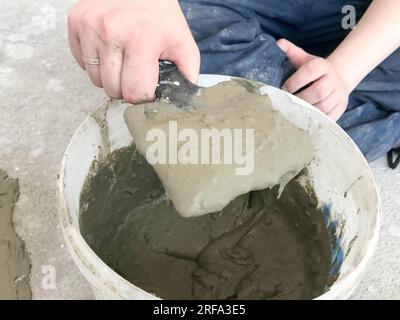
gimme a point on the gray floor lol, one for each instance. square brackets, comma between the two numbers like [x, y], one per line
[43, 98]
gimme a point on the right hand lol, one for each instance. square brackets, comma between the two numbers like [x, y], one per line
[130, 37]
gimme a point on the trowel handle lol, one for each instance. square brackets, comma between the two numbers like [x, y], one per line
[173, 86]
[167, 67]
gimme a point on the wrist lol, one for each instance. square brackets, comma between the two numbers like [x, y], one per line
[346, 73]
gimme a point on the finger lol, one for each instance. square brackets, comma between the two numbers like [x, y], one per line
[139, 74]
[304, 76]
[335, 113]
[317, 92]
[186, 56]
[338, 111]
[328, 104]
[296, 55]
[111, 61]
[75, 45]
[90, 51]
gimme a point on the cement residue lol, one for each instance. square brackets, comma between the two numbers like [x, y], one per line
[280, 150]
[100, 116]
[258, 247]
[15, 264]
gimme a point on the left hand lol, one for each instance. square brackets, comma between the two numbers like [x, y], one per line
[316, 81]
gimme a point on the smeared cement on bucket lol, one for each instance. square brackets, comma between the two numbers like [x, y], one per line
[258, 247]
[15, 263]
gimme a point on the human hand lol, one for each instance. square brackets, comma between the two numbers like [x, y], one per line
[129, 37]
[316, 81]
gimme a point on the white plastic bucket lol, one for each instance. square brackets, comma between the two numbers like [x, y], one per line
[339, 172]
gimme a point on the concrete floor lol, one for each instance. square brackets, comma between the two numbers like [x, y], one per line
[44, 96]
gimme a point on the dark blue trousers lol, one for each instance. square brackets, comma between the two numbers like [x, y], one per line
[238, 38]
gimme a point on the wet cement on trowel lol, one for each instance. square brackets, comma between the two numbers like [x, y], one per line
[279, 152]
[257, 247]
[14, 261]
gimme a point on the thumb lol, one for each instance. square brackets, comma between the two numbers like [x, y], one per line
[296, 55]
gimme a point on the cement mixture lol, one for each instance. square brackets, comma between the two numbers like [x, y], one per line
[255, 243]
[15, 264]
[279, 150]
[257, 247]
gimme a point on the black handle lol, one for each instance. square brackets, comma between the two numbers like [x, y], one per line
[173, 86]
[394, 158]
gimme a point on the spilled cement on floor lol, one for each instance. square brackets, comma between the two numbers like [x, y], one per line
[15, 265]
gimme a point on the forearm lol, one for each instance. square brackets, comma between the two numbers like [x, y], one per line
[375, 37]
